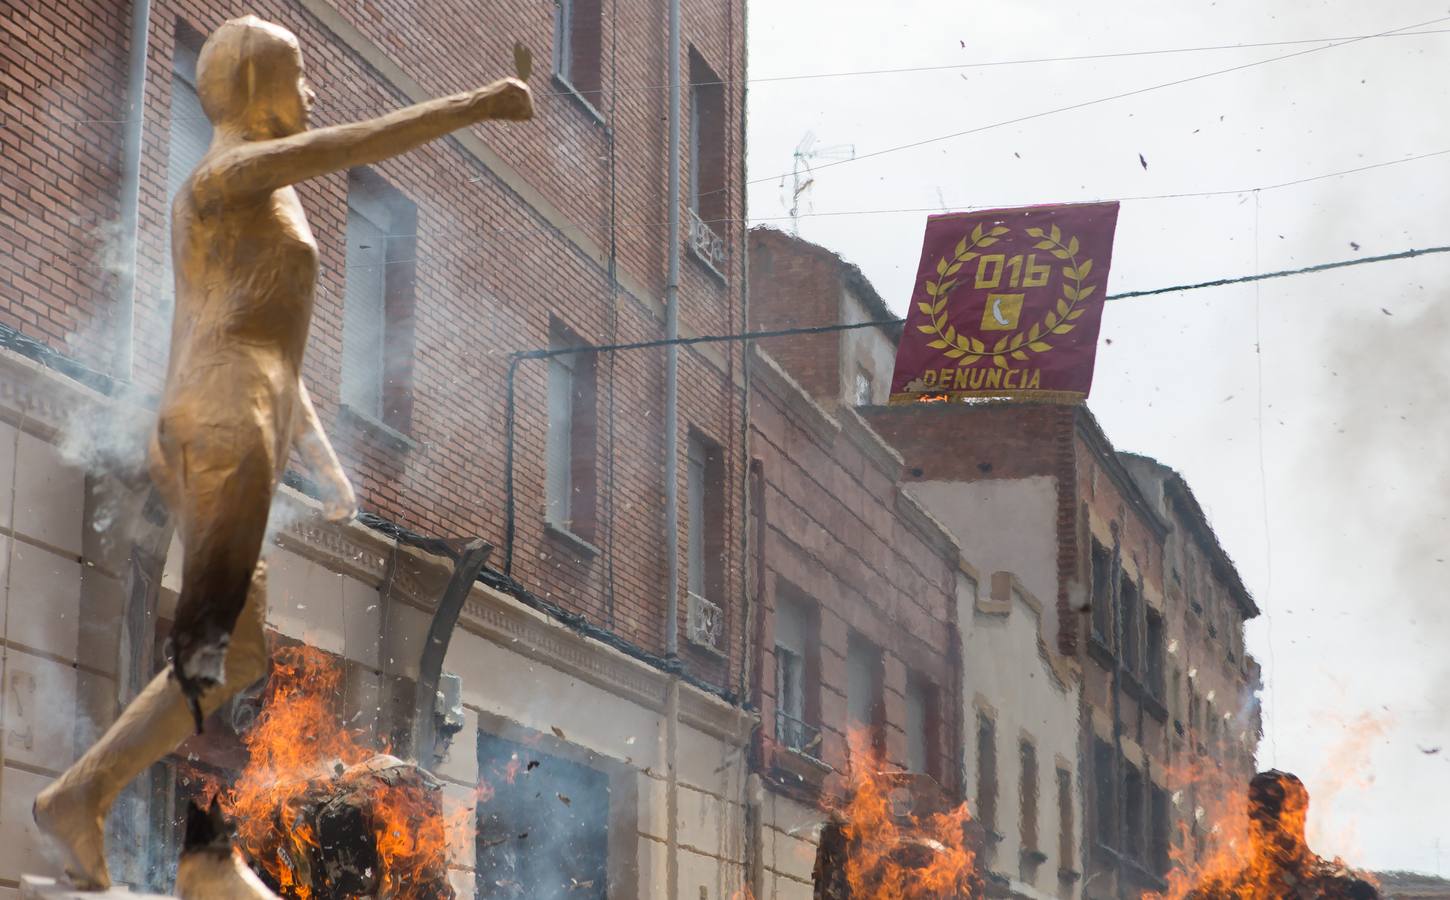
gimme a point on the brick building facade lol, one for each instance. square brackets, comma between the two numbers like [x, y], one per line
[1108, 536]
[856, 585]
[435, 267]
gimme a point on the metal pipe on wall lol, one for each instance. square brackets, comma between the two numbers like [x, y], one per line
[130, 211]
[672, 458]
[672, 352]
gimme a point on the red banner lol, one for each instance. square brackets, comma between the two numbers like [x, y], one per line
[1007, 304]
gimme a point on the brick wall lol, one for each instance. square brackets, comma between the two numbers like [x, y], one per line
[796, 284]
[837, 538]
[62, 96]
[498, 251]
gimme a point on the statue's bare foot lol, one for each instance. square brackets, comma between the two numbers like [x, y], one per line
[77, 827]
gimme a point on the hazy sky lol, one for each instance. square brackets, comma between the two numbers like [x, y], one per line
[1353, 433]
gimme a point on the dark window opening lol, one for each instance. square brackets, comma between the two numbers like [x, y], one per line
[923, 726]
[531, 841]
[1131, 625]
[378, 301]
[569, 489]
[706, 511]
[190, 131]
[1159, 855]
[987, 771]
[865, 698]
[1132, 811]
[797, 671]
[1105, 795]
[1065, 806]
[1155, 654]
[578, 48]
[1102, 600]
[709, 202]
[1027, 788]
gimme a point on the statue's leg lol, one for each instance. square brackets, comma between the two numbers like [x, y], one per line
[224, 516]
[72, 810]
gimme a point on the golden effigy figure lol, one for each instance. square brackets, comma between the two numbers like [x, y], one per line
[234, 404]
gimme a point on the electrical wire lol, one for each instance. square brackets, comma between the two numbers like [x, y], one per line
[902, 70]
[1099, 100]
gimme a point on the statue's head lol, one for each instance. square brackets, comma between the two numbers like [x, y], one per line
[1278, 807]
[249, 77]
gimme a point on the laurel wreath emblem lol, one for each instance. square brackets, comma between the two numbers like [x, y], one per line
[1016, 346]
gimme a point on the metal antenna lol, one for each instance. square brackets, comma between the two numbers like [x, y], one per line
[805, 153]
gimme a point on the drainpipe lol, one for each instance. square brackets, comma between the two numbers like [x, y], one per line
[672, 351]
[131, 189]
[672, 458]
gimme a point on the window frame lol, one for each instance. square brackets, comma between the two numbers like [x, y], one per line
[1030, 793]
[987, 771]
[387, 323]
[570, 451]
[705, 512]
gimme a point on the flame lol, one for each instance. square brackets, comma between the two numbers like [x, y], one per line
[1213, 844]
[1243, 852]
[900, 857]
[296, 745]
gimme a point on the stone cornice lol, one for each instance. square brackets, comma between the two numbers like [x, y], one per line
[810, 415]
[366, 554]
[873, 445]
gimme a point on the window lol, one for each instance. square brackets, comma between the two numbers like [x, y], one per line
[1105, 795]
[708, 199]
[567, 849]
[797, 657]
[986, 771]
[190, 128]
[1132, 811]
[577, 46]
[706, 490]
[1065, 806]
[862, 388]
[1158, 849]
[1027, 789]
[1102, 600]
[921, 725]
[1155, 653]
[569, 445]
[865, 706]
[377, 323]
[1175, 698]
[1132, 638]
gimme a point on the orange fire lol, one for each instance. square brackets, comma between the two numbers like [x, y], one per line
[296, 744]
[1248, 841]
[1213, 838]
[902, 843]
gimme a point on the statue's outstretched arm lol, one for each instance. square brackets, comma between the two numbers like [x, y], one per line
[261, 166]
[339, 503]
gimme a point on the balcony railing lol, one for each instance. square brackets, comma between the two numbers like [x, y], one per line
[798, 735]
[706, 244]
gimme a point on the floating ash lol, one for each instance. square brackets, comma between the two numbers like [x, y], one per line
[320, 816]
[1276, 862]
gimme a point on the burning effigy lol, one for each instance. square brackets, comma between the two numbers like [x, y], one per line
[318, 814]
[1277, 863]
[895, 839]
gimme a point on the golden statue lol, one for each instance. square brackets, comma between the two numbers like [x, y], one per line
[234, 403]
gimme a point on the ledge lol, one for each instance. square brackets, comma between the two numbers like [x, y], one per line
[1099, 652]
[388, 436]
[577, 544]
[34, 887]
[570, 91]
[706, 264]
[799, 764]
